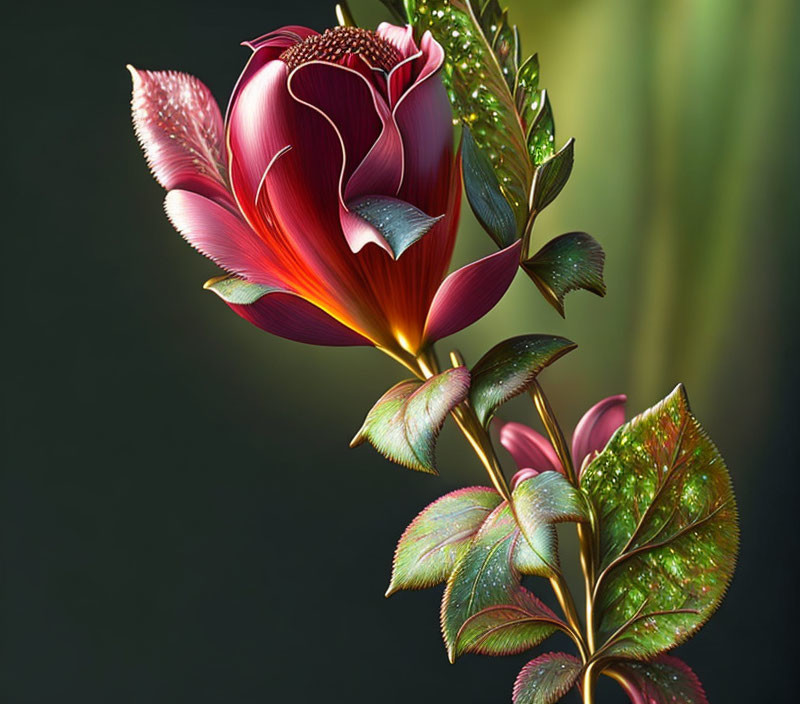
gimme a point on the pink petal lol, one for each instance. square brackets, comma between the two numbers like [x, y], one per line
[220, 235]
[288, 315]
[401, 38]
[596, 427]
[470, 292]
[522, 475]
[528, 448]
[179, 126]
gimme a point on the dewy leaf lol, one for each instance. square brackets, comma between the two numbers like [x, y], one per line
[232, 289]
[542, 135]
[484, 194]
[439, 537]
[568, 262]
[480, 92]
[545, 499]
[405, 422]
[665, 680]
[551, 177]
[510, 367]
[489, 573]
[400, 223]
[526, 91]
[504, 39]
[507, 629]
[668, 530]
[546, 679]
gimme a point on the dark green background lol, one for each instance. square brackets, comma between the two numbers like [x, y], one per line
[182, 520]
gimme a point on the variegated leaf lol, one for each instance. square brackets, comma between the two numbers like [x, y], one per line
[546, 679]
[665, 680]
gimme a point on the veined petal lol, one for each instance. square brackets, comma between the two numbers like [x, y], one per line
[288, 315]
[179, 125]
[470, 292]
[220, 235]
[596, 427]
[528, 448]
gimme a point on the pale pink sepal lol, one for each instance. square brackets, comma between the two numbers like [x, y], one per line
[471, 292]
[220, 235]
[522, 475]
[596, 427]
[529, 449]
[179, 126]
[289, 316]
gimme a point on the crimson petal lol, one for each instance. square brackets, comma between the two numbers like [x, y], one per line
[596, 427]
[470, 292]
[529, 449]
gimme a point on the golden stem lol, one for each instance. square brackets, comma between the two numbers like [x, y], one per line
[589, 678]
[344, 16]
[585, 533]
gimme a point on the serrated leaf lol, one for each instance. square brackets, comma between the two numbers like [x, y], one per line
[542, 134]
[665, 680]
[405, 422]
[507, 629]
[568, 262]
[480, 93]
[510, 367]
[400, 223]
[483, 193]
[489, 574]
[526, 91]
[668, 533]
[545, 499]
[551, 177]
[232, 289]
[546, 679]
[439, 537]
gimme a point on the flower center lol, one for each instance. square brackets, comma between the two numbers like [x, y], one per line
[333, 45]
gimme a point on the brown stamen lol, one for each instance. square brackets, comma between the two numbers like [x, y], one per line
[335, 44]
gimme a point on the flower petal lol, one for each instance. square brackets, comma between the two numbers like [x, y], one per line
[179, 125]
[288, 315]
[528, 448]
[470, 292]
[220, 235]
[596, 427]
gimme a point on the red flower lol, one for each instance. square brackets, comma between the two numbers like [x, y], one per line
[331, 191]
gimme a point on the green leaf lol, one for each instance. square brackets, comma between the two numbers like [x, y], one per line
[668, 533]
[546, 679]
[665, 680]
[503, 38]
[232, 289]
[552, 176]
[439, 537]
[400, 223]
[398, 10]
[480, 93]
[542, 135]
[507, 629]
[489, 573]
[526, 91]
[546, 499]
[484, 194]
[510, 367]
[405, 422]
[568, 262]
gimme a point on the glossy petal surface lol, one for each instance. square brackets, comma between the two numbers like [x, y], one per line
[596, 427]
[668, 530]
[530, 449]
[439, 537]
[405, 422]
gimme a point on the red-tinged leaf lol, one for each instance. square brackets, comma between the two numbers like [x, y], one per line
[439, 537]
[546, 679]
[405, 422]
[507, 629]
[667, 525]
[665, 680]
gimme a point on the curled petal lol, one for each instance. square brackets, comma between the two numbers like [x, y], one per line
[179, 125]
[522, 475]
[596, 427]
[470, 292]
[290, 316]
[529, 449]
[219, 234]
